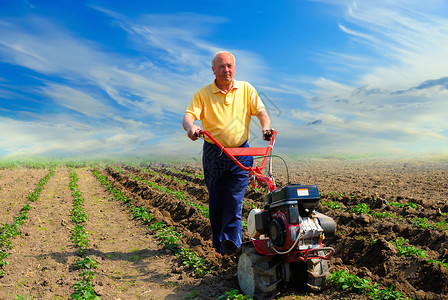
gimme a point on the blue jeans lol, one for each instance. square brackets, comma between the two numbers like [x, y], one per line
[226, 184]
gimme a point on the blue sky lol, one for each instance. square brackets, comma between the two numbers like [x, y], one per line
[113, 78]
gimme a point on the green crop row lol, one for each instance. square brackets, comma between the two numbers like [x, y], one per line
[234, 295]
[363, 208]
[181, 196]
[177, 180]
[178, 194]
[439, 263]
[54, 163]
[9, 231]
[84, 287]
[79, 234]
[410, 204]
[200, 176]
[169, 238]
[404, 249]
[333, 205]
[408, 250]
[155, 174]
[352, 283]
[423, 223]
[203, 209]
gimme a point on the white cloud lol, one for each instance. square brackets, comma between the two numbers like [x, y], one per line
[376, 93]
[413, 38]
[393, 97]
[143, 91]
[64, 136]
[76, 100]
[133, 83]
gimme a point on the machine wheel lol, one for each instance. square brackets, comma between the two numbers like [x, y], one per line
[257, 276]
[317, 273]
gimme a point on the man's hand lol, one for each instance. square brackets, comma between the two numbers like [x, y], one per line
[191, 129]
[193, 132]
[267, 134]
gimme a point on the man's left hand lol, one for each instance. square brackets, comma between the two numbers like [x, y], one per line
[267, 134]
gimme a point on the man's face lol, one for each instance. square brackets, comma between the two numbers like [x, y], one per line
[224, 68]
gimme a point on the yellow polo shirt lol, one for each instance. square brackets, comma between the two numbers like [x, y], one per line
[226, 116]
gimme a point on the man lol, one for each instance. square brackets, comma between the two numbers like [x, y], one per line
[225, 108]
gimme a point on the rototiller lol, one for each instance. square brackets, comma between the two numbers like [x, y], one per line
[286, 235]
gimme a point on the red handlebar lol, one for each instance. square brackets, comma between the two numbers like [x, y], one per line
[254, 173]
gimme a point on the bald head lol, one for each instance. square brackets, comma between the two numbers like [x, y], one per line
[220, 54]
[223, 66]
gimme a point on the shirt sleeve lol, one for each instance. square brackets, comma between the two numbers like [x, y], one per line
[195, 108]
[256, 105]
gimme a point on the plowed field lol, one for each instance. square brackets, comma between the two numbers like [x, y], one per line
[391, 218]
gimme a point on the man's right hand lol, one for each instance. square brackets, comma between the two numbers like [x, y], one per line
[190, 127]
[193, 132]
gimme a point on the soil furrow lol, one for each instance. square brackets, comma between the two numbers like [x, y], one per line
[196, 191]
[15, 186]
[163, 207]
[190, 174]
[40, 262]
[177, 210]
[131, 263]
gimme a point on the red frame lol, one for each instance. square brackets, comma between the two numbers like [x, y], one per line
[254, 173]
[297, 255]
[261, 245]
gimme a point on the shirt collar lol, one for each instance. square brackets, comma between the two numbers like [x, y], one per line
[215, 88]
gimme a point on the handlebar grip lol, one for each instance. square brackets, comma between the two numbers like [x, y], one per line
[267, 134]
[198, 133]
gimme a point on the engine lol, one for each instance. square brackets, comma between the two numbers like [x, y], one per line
[290, 220]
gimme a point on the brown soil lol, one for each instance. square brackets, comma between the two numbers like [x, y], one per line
[132, 264]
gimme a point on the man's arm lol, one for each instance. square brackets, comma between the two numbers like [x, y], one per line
[265, 122]
[190, 127]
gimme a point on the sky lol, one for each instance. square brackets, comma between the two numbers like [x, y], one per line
[108, 78]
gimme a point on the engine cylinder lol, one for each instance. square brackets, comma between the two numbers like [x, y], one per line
[277, 232]
[252, 223]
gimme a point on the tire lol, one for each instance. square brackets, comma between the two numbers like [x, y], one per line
[257, 276]
[317, 273]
